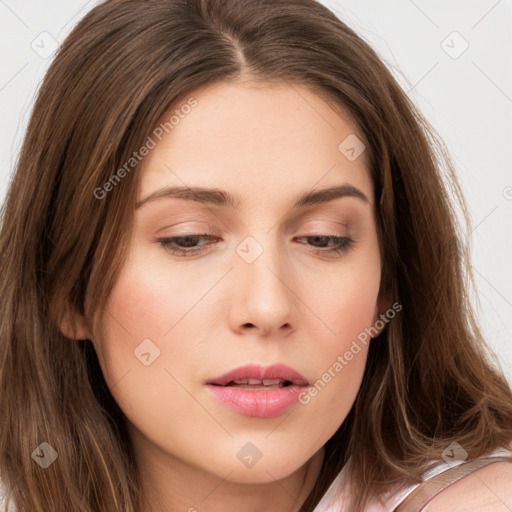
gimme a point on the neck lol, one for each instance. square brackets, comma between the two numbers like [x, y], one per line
[174, 486]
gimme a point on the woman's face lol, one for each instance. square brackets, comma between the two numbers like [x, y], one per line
[265, 287]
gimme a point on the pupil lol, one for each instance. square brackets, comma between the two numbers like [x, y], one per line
[187, 241]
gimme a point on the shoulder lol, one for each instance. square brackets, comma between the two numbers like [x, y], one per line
[489, 489]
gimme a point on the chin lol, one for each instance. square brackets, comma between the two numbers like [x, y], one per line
[262, 472]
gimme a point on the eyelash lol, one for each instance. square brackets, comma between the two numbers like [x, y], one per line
[343, 245]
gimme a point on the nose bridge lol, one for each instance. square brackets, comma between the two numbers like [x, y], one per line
[261, 264]
[262, 277]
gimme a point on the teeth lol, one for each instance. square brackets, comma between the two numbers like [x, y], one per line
[241, 381]
[265, 382]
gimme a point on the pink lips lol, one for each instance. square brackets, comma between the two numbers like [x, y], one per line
[259, 400]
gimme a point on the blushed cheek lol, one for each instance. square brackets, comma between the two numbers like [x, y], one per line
[350, 305]
[349, 310]
[153, 308]
[148, 303]
[343, 356]
[139, 313]
[142, 309]
[134, 312]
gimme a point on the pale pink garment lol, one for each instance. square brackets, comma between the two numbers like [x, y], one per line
[335, 499]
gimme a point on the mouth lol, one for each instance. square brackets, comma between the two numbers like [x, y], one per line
[261, 392]
[257, 383]
[255, 376]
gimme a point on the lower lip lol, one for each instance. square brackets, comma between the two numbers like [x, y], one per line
[259, 403]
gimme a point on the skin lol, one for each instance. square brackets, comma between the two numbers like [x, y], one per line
[212, 312]
[485, 490]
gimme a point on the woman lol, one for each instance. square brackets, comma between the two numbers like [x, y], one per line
[232, 276]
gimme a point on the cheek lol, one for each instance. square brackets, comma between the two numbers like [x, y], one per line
[156, 299]
[339, 360]
[149, 315]
[350, 307]
[346, 304]
[141, 309]
[346, 299]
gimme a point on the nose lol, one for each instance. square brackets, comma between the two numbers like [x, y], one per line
[263, 299]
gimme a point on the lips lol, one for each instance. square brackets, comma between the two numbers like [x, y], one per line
[274, 376]
[257, 391]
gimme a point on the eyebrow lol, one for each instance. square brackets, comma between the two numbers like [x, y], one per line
[218, 197]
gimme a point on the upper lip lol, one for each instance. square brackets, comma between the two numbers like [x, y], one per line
[255, 371]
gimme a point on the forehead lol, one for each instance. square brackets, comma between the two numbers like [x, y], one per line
[257, 139]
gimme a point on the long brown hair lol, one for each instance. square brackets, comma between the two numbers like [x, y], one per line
[429, 378]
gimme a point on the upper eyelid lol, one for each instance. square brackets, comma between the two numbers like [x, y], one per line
[215, 234]
[205, 226]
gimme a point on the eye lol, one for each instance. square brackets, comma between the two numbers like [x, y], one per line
[171, 244]
[342, 244]
[185, 245]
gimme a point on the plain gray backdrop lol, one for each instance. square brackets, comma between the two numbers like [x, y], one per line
[451, 57]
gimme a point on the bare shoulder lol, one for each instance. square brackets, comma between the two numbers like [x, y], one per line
[489, 489]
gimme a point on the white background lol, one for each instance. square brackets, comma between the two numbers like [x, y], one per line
[468, 99]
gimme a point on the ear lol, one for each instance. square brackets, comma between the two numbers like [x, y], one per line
[73, 325]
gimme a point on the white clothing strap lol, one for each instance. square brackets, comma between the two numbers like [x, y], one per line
[429, 489]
